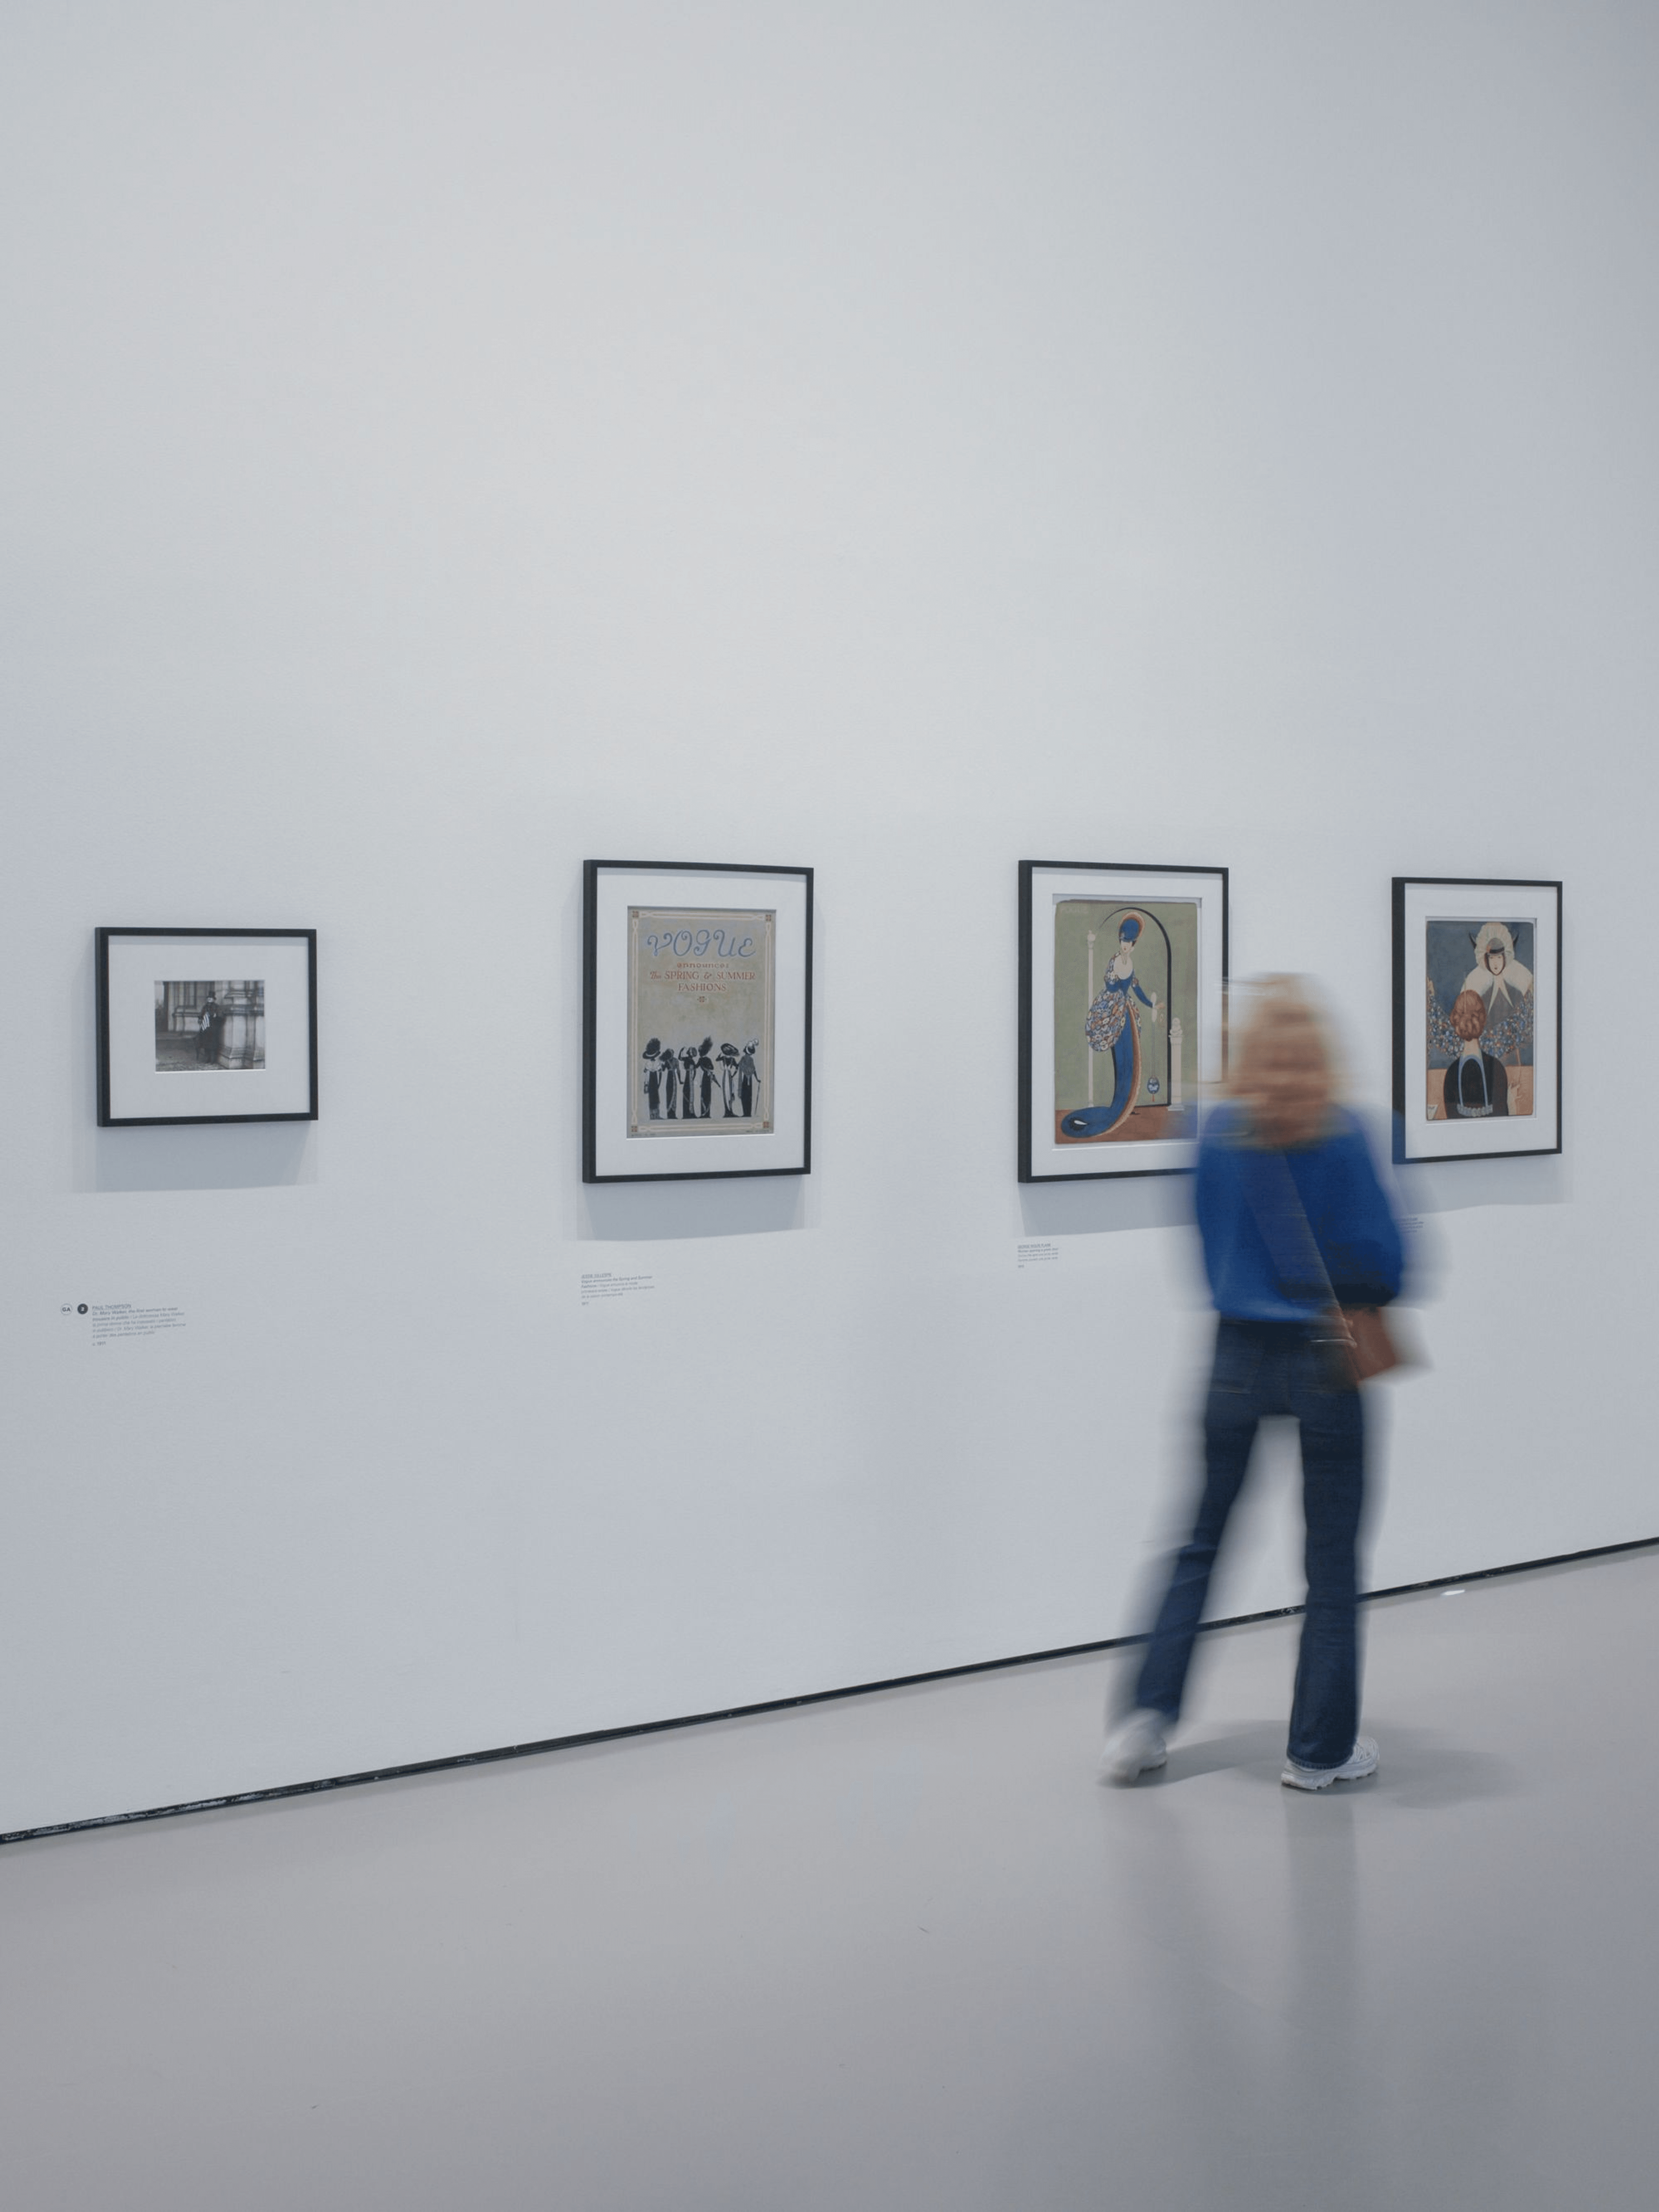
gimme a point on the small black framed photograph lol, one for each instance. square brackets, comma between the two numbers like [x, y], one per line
[696, 1020]
[1477, 1017]
[206, 1025]
[1122, 977]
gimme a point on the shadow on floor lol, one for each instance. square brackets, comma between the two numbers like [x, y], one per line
[1417, 1768]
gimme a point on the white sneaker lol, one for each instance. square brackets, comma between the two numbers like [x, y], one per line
[1362, 1759]
[1134, 1746]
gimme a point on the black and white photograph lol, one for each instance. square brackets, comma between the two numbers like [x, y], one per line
[205, 1025]
[208, 1024]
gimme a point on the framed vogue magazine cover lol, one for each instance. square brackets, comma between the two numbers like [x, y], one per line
[206, 1025]
[1477, 1017]
[696, 1020]
[1122, 971]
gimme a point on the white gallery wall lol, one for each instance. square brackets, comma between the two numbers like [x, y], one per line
[444, 442]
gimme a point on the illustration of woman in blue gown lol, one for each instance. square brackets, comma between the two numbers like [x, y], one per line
[1112, 1025]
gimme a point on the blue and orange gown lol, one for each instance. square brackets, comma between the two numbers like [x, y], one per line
[1112, 1025]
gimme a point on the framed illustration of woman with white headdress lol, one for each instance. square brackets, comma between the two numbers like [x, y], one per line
[1120, 977]
[1477, 1017]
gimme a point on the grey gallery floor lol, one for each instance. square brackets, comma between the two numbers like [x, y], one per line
[899, 1951]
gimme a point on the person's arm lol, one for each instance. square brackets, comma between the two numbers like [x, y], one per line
[1361, 1241]
[1211, 1196]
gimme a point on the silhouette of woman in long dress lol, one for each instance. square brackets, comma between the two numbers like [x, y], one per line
[705, 1079]
[748, 1081]
[653, 1080]
[1112, 1025]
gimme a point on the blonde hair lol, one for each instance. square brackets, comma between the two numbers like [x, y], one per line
[1274, 1006]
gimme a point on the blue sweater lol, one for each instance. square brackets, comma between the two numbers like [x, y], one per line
[1255, 1245]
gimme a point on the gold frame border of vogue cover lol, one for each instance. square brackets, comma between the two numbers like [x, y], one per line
[770, 1073]
[1192, 1062]
[1474, 902]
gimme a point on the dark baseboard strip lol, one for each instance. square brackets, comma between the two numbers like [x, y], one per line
[769, 1705]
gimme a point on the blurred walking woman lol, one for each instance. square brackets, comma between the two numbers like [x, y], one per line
[1293, 1221]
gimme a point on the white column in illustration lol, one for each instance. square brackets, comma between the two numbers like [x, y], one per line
[1175, 1059]
[1088, 1048]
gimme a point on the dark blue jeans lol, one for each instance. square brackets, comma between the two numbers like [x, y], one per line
[1261, 1368]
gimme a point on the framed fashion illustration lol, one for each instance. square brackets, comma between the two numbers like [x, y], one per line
[696, 1020]
[206, 1025]
[1121, 975]
[1477, 1017]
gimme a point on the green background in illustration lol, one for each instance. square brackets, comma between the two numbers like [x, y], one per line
[1177, 991]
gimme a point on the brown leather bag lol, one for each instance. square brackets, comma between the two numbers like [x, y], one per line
[1359, 1336]
[1370, 1349]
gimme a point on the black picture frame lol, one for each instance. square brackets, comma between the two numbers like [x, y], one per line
[1411, 1148]
[105, 936]
[595, 1080]
[1123, 874]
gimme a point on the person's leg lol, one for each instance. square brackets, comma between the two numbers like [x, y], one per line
[1325, 1711]
[1232, 1412]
